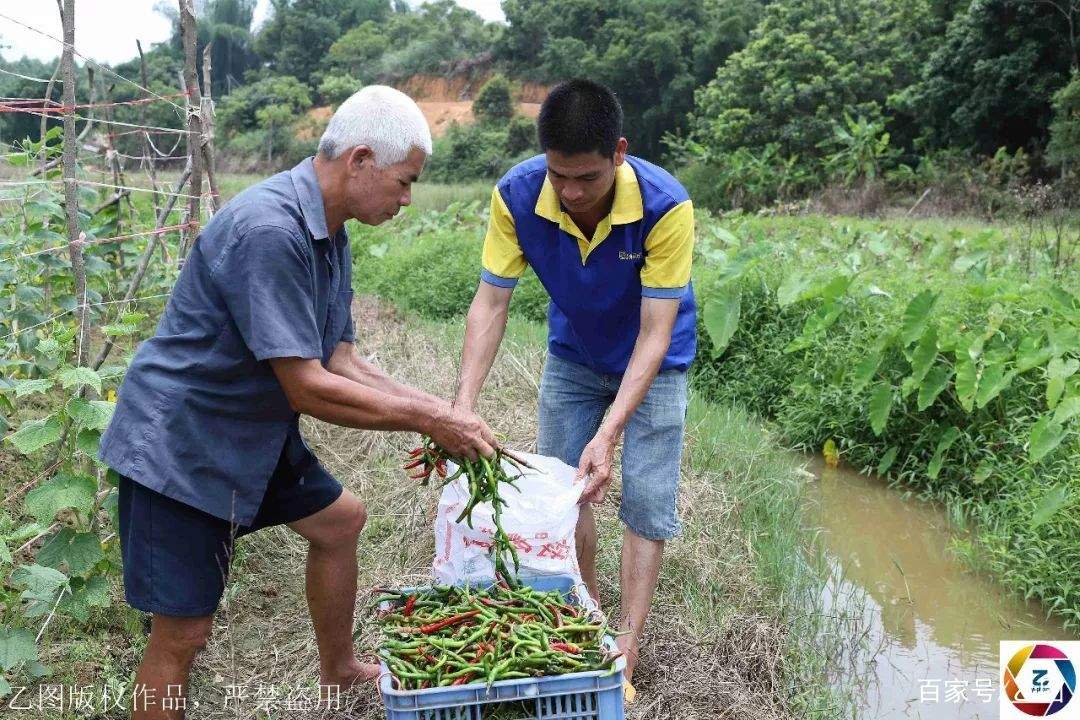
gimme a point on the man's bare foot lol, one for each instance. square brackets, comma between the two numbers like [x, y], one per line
[629, 646]
[352, 674]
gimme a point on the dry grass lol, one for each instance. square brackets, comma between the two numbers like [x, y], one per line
[709, 650]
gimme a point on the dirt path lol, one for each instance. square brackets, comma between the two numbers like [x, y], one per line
[708, 652]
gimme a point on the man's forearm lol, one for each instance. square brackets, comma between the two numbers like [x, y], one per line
[346, 401]
[355, 368]
[644, 364]
[484, 330]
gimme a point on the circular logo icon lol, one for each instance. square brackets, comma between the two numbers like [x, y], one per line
[1039, 680]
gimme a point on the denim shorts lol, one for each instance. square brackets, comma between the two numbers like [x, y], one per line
[176, 558]
[573, 400]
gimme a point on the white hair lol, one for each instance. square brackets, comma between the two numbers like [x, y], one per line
[384, 119]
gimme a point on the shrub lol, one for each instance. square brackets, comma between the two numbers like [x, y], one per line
[493, 104]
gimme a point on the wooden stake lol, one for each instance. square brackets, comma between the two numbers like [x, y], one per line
[71, 196]
[194, 125]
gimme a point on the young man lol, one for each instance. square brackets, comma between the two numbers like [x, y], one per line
[257, 331]
[610, 237]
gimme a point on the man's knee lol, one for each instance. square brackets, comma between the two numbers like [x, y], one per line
[343, 527]
[181, 637]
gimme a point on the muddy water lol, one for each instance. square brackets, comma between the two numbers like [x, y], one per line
[930, 627]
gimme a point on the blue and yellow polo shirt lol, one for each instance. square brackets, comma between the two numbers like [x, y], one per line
[643, 248]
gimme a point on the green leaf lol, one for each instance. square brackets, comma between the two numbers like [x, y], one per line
[880, 404]
[994, 379]
[59, 493]
[33, 435]
[887, 460]
[721, 317]
[120, 330]
[88, 442]
[932, 385]
[790, 290]
[965, 262]
[79, 376]
[42, 586]
[983, 471]
[85, 594]
[5, 687]
[1055, 499]
[1045, 436]
[864, 371]
[818, 322]
[1067, 409]
[1030, 354]
[1057, 371]
[5, 553]
[17, 646]
[925, 353]
[967, 380]
[948, 437]
[916, 315]
[79, 551]
[29, 387]
[90, 414]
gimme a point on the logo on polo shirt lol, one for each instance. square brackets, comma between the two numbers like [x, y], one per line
[623, 255]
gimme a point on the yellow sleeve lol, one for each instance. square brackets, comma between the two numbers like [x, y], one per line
[669, 249]
[502, 259]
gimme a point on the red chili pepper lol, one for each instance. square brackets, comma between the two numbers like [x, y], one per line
[437, 626]
[463, 679]
[415, 463]
[416, 452]
[409, 605]
[566, 647]
[440, 467]
[421, 476]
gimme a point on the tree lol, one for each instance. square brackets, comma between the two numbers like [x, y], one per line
[1064, 146]
[358, 51]
[493, 103]
[989, 83]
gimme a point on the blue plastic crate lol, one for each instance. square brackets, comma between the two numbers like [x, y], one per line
[594, 695]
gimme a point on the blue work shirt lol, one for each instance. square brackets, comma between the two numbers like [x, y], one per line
[201, 417]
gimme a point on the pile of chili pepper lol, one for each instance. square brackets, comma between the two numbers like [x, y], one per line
[447, 635]
[484, 476]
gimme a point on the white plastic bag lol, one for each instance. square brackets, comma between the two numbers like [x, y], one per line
[540, 521]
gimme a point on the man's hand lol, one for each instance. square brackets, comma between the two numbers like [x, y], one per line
[463, 432]
[596, 461]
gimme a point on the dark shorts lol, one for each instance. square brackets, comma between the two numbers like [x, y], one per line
[176, 558]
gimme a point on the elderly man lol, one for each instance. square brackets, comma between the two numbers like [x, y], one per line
[257, 331]
[610, 236]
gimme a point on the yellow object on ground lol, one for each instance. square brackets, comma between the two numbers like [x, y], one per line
[629, 693]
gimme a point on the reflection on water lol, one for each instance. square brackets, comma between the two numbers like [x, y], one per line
[935, 626]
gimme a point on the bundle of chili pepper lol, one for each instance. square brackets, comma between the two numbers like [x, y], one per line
[455, 636]
[484, 475]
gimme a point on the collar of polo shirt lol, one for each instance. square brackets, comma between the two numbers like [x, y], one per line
[625, 209]
[309, 194]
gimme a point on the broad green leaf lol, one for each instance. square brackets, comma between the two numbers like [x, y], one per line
[1045, 436]
[916, 315]
[880, 404]
[994, 379]
[59, 493]
[50, 347]
[33, 435]
[1030, 354]
[1063, 339]
[5, 553]
[721, 317]
[42, 587]
[935, 381]
[835, 288]
[794, 285]
[17, 646]
[30, 387]
[1057, 371]
[79, 551]
[85, 594]
[88, 442]
[5, 687]
[967, 381]
[864, 371]
[887, 460]
[948, 437]
[965, 262]
[90, 414]
[818, 322]
[1052, 501]
[1067, 409]
[1068, 303]
[120, 330]
[924, 355]
[79, 376]
[983, 471]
